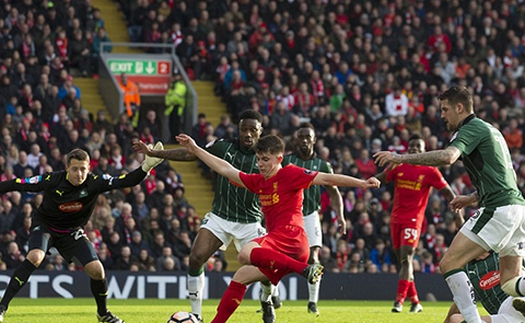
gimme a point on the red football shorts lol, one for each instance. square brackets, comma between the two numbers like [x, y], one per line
[291, 241]
[405, 234]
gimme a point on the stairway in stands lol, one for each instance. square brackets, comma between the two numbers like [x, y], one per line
[91, 100]
[115, 25]
[117, 32]
[200, 191]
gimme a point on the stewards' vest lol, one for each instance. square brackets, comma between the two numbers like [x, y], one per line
[131, 95]
[176, 96]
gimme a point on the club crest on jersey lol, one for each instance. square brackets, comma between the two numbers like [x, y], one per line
[83, 193]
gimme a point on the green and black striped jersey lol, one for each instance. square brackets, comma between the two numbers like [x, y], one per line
[312, 195]
[485, 278]
[231, 202]
[487, 160]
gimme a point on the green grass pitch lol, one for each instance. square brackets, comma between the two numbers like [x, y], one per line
[51, 310]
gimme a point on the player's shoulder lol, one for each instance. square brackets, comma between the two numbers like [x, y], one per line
[221, 145]
[475, 127]
[294, 169]
[288, 158]
[97, 179]
[52, 176]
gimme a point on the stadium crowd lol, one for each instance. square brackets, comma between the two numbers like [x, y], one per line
[365, 73]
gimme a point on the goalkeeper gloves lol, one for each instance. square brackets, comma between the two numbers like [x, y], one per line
[151, 162]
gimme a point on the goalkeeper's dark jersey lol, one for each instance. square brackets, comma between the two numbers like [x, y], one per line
[485, 278]
[65, 206]
[487, 160]
[231, 202]
[312, 195]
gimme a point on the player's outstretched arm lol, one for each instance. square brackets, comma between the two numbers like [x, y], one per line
[178, 154]
[431, 158]
[218, 165]
[36, 183]
[344, 180]
[134, 177]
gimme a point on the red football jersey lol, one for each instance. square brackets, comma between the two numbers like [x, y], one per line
[281, 196]
[412, 184]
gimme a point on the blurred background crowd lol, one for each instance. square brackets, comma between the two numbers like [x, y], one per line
[365, 73]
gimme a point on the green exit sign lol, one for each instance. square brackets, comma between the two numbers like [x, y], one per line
[139, 67]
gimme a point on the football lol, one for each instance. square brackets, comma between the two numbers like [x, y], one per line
[183, 317]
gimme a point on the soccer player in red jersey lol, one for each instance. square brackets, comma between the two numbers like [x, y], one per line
[285, 248]
[412, 185]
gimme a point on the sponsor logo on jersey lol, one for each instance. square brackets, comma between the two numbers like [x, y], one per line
[307, 171]
[59, 192]
[34, 179]
[70, 207]
[83, 193]
[109, 178]
[489, 280]
[29, 180]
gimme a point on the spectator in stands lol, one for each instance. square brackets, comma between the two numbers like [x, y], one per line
[158, 245]
[102, 123]
[146, 262]
[14, 257]
[150, 121]
[20, 168]
[100, 37]
[81, 53]
[125, 259]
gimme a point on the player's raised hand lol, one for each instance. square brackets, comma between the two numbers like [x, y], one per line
[141, 147]
[372, 182]
[384, 157]
[187, 142]
[151, 162]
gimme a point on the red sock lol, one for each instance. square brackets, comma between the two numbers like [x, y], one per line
[271, 259]
[402, 288]
[231, 299]
[412, 293]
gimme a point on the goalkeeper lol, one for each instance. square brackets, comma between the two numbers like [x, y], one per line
[69, 199]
